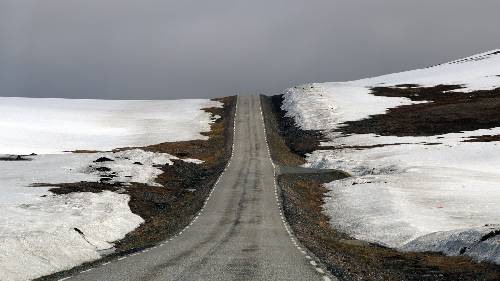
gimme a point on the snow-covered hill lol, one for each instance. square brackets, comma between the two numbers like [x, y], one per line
[425, 158]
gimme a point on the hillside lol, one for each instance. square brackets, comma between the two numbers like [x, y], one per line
[422, 150]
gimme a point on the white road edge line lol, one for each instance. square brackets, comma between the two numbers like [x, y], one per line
[285, 224]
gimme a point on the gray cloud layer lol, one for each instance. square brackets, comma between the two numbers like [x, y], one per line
[159, 49]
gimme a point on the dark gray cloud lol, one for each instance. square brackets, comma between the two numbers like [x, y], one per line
[159, 49]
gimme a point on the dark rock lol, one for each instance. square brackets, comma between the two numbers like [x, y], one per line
[78, 230]
[103, 169]
[103, 159]
[462, 251]
[490, 235]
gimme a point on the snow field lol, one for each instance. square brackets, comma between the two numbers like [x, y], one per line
[48, 126]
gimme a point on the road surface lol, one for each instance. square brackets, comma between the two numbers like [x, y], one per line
[239, 235]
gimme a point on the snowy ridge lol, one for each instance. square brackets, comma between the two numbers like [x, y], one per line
[477, 57]
[407, 194]
[479, 72]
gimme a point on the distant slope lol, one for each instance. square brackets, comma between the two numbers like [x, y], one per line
[478, 72]
[46, 126]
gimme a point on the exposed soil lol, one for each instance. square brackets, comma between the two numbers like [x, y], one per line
[348, 258]
[484, 138]
[14, 158]
[447, 111]
[169, 208]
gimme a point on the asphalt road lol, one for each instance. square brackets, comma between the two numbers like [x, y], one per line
[240, 233]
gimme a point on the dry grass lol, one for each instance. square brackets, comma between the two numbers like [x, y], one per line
[447, 112]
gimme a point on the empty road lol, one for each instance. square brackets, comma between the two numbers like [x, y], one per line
[239, 235]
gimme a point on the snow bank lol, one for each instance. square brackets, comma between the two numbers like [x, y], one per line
[46, 126]
[407, 194]
[399, 193]
[40, 237]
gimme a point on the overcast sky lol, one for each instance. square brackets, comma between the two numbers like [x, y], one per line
[160, 49]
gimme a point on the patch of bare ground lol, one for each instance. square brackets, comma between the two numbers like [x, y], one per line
[348, 258]
[14, 158]
[447, 111]
[169, 208]
[483, 138]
